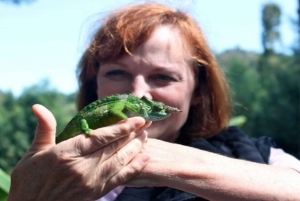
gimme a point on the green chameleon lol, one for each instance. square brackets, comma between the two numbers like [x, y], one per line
[112, 109]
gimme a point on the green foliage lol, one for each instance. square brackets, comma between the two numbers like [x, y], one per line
[280, 77]
[4, 185]
[3, 195]
[265, 87]
[238, 121]
[266, 91]
[18, 123]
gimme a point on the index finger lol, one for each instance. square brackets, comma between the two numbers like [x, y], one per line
[83, 144]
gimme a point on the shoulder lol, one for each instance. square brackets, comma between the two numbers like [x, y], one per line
[233, 142]
[253, 147]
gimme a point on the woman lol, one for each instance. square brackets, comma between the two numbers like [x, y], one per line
[150, 50]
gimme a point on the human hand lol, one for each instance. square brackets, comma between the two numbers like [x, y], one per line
[81, 168]
[166, 161]
[213, 176]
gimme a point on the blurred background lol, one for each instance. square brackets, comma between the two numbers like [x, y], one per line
[256, 42]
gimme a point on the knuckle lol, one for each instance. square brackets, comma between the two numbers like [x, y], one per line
[99, 139]
[135, 168]
[125, 129]
[131, 170]
[122, 158]
[88, 185]
[69, 154]
[80, 170]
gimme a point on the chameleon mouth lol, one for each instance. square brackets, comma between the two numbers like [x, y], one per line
[170, 109]
[160, 115]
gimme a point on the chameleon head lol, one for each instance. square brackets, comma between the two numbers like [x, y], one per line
[170, 109]
[161, 111]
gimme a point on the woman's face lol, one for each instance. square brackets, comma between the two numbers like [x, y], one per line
[161, 70]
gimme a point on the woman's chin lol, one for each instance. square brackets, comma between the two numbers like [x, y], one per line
[159, 131]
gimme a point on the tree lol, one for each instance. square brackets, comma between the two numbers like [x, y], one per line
[297, 49]
[18, 123]
[270, 102]
[16, 1]
[299, 21]
[271, 21]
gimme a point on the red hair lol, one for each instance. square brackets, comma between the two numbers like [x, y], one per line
[127, 28]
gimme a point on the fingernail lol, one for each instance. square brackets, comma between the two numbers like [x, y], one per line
[143, 136]
[146, 136]
[139, 123]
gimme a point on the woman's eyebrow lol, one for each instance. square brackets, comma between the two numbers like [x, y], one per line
[119, 63]
[168, 67]
[155, 66]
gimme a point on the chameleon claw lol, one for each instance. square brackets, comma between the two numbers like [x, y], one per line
[85, 127]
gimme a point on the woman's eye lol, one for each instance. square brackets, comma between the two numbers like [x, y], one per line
[164, 78]
[116, 74]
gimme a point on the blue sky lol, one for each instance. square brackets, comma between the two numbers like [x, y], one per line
[45, 39]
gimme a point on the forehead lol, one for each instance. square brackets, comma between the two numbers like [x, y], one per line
[167, 37]
[165, 43]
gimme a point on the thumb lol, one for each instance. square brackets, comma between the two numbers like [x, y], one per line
[46, 128]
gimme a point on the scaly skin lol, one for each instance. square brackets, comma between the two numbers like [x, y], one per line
[112, 109]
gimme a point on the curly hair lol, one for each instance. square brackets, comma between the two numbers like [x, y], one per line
[127, 28]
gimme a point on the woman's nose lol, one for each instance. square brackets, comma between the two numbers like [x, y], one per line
[141, 88]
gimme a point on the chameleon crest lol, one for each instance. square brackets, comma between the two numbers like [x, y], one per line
[112, 109]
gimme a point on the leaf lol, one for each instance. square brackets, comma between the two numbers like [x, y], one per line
[4, 181]
[238, 121]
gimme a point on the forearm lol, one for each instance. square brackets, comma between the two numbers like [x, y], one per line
[221, 178]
